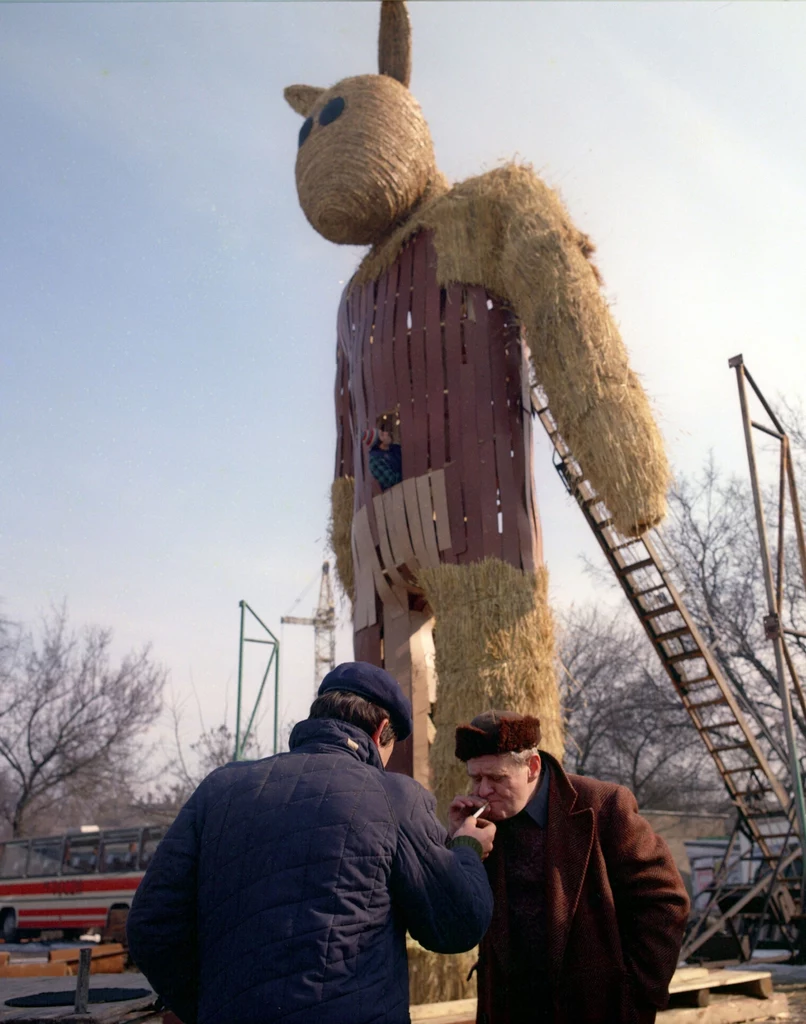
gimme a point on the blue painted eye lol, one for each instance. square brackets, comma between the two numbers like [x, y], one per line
[305, 130]
[331, 110]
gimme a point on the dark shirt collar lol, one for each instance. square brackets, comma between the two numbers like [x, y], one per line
[538, 806]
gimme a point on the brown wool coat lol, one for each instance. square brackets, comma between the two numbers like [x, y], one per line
[616, 909]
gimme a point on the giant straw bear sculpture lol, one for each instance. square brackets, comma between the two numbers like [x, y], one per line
[464, 293]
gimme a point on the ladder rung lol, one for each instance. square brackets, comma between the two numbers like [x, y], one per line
[684, 656]
[719, 725]
[643, 564]
[664, 609]
[649, 590]
[672, 634]
[735, 771]
[628, 544]
[700, 679]
[758, 792]
[732, 746]
[722, 699]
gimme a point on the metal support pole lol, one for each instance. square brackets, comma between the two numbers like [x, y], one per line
[237, 754]
[794, 762]
[276, 745]
[82, 1001]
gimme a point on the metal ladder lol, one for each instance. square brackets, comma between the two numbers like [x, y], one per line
[750, 768]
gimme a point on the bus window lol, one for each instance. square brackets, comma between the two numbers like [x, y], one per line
[120, 850]
[151, 840]
[46, 857]
[13, 857]
[80, 855]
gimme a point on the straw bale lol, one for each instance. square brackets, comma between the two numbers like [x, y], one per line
[510, 233]
[358, 175]
[394, 41]
[342, 493]
[494, 643]
[439, 978]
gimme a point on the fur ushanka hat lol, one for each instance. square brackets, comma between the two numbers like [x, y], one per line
[497, 732]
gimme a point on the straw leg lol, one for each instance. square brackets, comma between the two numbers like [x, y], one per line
[494, 649]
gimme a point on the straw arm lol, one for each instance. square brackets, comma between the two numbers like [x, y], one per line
[541, 265]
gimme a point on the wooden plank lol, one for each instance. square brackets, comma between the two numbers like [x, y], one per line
[531, 497]
[420, 645]
[478, 356]
[367, 645]
[385, 546]
[507, 486]
[384, 307]
[417, 345]
[414, 523]
[459, 1009]
[514, 363]
[439, 496]
[427, 519]
[435, 377]
[728, 1011]
[471, 468]
[452, 345]
[399, 529]
[715, 979]
[359, 367]
[363, 550]
[401, 361]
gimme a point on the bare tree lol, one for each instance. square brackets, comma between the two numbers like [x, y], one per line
[70, 719]
[624, 722]
[711, 535]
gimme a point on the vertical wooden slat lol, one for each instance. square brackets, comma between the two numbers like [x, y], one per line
[388, 398]
[420, 645]
[454, 468]
[427, 519]
[507, 486]
[414, 523]
[367, 645]
[435, 375]
[471, 469]
[400, 358]
[401, 541]
[439, 494]
[384, 304]
[514, 363]
[397, 661]
[477, 345]
[419, 386]
[386, 550]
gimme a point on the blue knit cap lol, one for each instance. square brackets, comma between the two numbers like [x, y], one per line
[373, 684]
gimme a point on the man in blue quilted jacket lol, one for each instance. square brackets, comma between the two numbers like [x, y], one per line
[285, 887]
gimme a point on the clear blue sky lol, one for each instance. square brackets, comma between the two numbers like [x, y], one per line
[168, 316]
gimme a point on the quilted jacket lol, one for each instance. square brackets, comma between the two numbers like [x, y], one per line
[284, 889]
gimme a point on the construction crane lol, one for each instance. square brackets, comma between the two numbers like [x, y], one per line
[324, 628]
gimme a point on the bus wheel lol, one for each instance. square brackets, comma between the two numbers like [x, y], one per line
[8, 926]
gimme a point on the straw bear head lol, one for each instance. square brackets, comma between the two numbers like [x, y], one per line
[365, 152]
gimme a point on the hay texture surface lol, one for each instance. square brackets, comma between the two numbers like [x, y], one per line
[342, 495]
[439, 978]
[510, 233]
[494, 643]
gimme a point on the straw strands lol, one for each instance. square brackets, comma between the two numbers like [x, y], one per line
[494, 649]
[394, 41]
[339, 531]
[439, 978]
[510, 233]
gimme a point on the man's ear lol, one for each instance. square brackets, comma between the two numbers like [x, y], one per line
[302, 98]
[534, 766]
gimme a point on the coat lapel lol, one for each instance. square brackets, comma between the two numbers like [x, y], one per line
[569, 841]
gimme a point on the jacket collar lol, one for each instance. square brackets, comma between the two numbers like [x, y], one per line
[569, 841]
[318, 735]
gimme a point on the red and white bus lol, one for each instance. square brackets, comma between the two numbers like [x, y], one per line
[71, 882]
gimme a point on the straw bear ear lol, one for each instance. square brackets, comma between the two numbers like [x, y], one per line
[302, 98]
[394, 41]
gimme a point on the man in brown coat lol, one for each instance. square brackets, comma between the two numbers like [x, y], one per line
[589, 906]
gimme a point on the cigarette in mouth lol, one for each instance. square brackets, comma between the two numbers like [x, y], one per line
[478, 813]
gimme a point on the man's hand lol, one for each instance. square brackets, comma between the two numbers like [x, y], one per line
[480, 830]
[460, 808]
